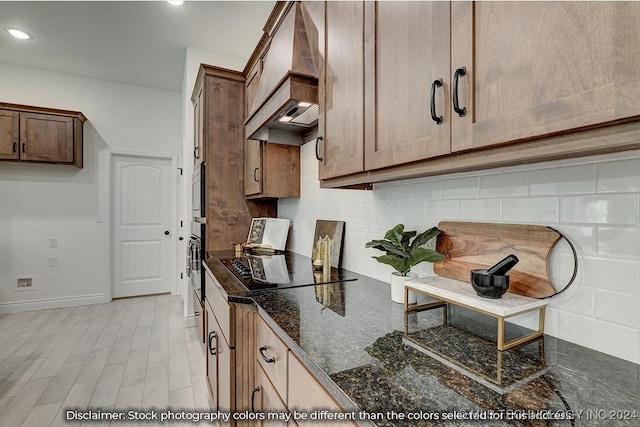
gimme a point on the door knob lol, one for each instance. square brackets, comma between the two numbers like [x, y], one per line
[166, 233]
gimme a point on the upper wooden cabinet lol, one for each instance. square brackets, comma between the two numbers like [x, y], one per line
[381, 61]
[33, 134]
[340, 87]
[406, 54]
[271, 171]
[413, 89]
[541, 68]
[198, 128]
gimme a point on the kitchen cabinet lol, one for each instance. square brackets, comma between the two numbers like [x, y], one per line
[198, 128]
[381, 60]
[406, 61]
[265, 399]
[218, 100]
[501, 96]
[307, 395]
[283, 383]
[271, 170]
[41, 135]
[341, 88]
[230, 340]
[220, 366]
[579, 71]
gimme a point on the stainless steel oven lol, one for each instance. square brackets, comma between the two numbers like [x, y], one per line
[196, 248]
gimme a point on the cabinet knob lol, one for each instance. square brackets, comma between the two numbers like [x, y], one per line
[166, 232]
[255, 174]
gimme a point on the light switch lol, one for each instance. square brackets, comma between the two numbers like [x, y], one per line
[53, 242]
[99, 218]
[53, 261]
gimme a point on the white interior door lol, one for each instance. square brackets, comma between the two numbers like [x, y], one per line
[141, 225]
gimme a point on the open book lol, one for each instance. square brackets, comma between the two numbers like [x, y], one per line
[268, 233]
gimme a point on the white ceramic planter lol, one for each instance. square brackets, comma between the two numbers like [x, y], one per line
[397, 288]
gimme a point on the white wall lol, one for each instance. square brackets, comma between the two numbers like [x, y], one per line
[594, 201]
[42, 201]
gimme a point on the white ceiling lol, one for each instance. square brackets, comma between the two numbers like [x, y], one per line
[141, 43]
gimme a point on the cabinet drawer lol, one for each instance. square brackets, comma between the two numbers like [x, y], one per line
[271, 354]
[307, 395]
[222, 310]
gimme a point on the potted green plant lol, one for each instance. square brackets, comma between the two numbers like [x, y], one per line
[403, 250]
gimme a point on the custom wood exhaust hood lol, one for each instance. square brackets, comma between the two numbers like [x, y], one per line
[286, 102]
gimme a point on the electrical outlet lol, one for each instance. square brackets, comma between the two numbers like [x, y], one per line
[53, 262]
[25, 282]
[53, 242]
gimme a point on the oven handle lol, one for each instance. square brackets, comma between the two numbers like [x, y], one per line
[189, 258]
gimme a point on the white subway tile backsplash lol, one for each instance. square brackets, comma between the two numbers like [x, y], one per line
[599, 209]
[620, 275]
[566, 180]
[619, 240]
[489, 210]
[461, 188]
[594, 201]
[504, 185]
[443, 209]
[610, 338]
[618, 308]
[619, 177]
[533, 210]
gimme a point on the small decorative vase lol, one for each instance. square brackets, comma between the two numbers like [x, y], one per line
[397, 288]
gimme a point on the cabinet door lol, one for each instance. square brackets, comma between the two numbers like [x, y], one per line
[46, 138]
[213, 338]
[198, 130]
[341, 91]
[220, 366]
[265, 399]
[542, 68]
[9, 135]
[407, 47]
[252, 167]
[306, 394]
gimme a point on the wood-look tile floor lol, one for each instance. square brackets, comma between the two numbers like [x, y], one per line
[131, 353]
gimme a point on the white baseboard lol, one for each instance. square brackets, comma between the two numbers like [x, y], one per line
[50, 303]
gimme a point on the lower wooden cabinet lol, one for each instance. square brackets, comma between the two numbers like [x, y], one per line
[41, 135]
[283, 383]
[220, 366]
[265, 399]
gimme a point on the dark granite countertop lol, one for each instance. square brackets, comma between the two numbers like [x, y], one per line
[385, 365]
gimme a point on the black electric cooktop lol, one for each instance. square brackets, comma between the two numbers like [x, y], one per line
[280, 271]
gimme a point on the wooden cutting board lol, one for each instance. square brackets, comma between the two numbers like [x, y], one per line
[473, 245]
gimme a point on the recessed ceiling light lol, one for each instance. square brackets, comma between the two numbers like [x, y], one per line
[176, 2]
[19, 34]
